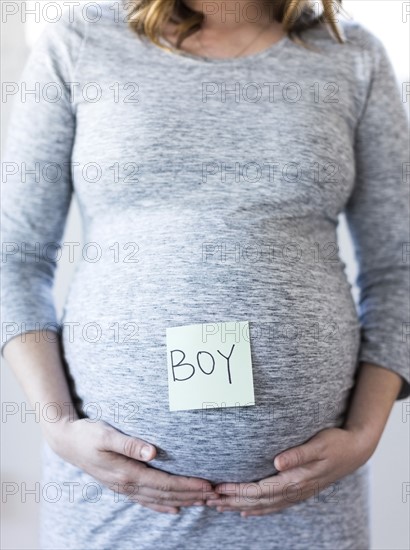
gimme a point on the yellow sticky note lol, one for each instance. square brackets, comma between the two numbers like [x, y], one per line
[209, 365]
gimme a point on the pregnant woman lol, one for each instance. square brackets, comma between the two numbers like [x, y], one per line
[211, 147]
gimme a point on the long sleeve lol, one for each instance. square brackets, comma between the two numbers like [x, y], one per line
[37, 185]
[378, 217]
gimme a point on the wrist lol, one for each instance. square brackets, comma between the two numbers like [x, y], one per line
[55, 430]
[373, 397]
[365, 438]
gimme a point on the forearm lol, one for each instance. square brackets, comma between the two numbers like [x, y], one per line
[374, 394]
[38, 368]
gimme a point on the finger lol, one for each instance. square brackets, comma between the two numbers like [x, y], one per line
[239, 504]
[139, 489]
[157, 484]
[269, 509]
[256, 511]
[282, 501]
[233, 489]
[164, 482]
[142, 499]
[260, 512]
[289, 494]
[135, 493]
[163, 509]
[131, 447]
[266, 492]
[178, 497]
[153, 495]
[133, 478]
[297, 456]
[247, 490]
[245, 507]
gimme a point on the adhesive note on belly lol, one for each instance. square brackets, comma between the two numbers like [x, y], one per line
[209, 366]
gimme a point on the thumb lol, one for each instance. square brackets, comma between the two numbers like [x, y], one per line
[129, 446]
[296, 456]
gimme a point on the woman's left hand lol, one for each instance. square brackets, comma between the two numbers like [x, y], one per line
[304, 471]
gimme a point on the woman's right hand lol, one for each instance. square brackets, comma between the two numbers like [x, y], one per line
[118, 462]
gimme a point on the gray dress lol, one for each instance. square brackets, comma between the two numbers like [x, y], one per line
[209, 191]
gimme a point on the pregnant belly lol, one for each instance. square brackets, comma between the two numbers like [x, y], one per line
[304, 338]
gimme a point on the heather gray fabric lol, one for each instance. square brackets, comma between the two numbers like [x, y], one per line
[205, 207]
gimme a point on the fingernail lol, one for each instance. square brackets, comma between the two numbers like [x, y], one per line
[146, 451]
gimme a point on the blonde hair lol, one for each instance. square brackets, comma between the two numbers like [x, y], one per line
[148, 18]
